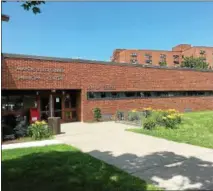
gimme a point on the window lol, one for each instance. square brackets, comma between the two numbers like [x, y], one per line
[134, 61]
[134, 54]
[73, 101]
[92, 95]
[103, 94]
[148, 58]
[176, 59]
[4, 103]
[146, 94]
[115, 94]
[140, 94]
[17, 103]
[202, 52]
[29, 101]
[67, 101]
[162, 58]
[130, 94]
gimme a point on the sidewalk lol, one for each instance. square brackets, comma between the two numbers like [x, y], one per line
[167, 164]
[30, 144]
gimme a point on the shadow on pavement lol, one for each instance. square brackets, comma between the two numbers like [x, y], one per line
[164, 169]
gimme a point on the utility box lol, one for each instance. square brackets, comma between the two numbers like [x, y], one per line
[54, 124]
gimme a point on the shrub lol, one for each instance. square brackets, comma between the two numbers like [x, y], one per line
[39, 130]
[162, 63]
[172, 120]
[149, 123]
[158, 117]
[97, 114]
[168, 118]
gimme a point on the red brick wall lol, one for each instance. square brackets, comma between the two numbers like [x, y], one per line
[82, 75]
[195, 52]
[124, 56]
[179, 103]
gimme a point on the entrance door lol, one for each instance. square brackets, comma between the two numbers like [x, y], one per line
[69, 112]
[57, 106]
[44, 108]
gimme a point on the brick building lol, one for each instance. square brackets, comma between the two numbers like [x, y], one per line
[154, 57]
[71, 88]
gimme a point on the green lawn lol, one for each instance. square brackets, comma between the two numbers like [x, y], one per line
[61, 167]
[196, 129]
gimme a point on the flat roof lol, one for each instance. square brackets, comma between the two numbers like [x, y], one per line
[84, 61]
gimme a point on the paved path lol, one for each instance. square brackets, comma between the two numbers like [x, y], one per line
[30, 144]
[167, 164]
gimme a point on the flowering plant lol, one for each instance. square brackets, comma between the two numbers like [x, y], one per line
[39, 130]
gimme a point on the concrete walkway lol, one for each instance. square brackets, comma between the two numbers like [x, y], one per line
[31, 144]
[167, 164]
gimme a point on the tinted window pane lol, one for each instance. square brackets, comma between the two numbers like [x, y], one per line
[138, 94]
[147, 94]
[91, 95]
[115, 95]
[29, 102]
[15, 103]
[103, 94]
[130, 94]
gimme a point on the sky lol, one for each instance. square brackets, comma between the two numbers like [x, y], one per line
[92, 30]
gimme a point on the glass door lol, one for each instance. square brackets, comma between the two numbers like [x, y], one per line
[70, 108]
[57, 106]
[44, 108]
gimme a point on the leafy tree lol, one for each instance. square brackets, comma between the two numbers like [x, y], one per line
[197, 63]
[31, 5]
[163, 63]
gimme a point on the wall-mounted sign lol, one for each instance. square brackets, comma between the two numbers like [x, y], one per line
[50, 78]
[105, 87]
[33, 77]
[32, 69]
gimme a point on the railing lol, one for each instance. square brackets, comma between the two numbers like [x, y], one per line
[130, 117]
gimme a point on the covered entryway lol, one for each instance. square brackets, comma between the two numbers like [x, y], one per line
[65, 104]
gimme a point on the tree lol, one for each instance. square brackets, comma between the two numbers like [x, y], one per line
[197, 63]
[32, 5]
[164, 63]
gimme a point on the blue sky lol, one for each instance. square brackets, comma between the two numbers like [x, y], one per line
[92, 30]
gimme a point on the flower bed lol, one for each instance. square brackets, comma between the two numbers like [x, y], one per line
[166, 118]
[149, 118]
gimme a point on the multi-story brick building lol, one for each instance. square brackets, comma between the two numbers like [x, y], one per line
[154, 57]
[72, 88]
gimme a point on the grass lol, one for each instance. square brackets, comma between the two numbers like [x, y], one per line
[196, 129]
[61, 167]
